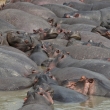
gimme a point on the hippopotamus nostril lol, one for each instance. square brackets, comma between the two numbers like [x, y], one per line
[26, 41]
[90, 80]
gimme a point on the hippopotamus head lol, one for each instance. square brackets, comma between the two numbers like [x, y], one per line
[92, 43]
[47, 33]
[89, 86]
[20, 40]
[102, 31]
[39, 96]
[60, 59]
[45, 88]
[70, 34]
[44, 78]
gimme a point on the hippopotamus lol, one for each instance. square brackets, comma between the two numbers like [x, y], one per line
[89, 86]
[37, 100]
[78, 27]
[88, 7]
[87, 52]
[86, 36]
[61, 42]
[66, 96]
[14, 69]
[13, 1]
[56, 7]
[98, 66]
[32, 9]
[19, 39]
[72, 73]
[93, 1]
[102, 31]
[38, 55]
[71, 21]
[78, 51]
[101, 16]
[23, 21]
[92, 43]
[41, 2]
[5, 26]
[10, 48]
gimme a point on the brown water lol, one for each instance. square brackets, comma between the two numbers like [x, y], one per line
[14, 100]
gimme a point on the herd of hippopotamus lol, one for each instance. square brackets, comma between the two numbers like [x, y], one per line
[59, 48]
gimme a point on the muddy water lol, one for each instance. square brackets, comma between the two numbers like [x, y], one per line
[14, 100]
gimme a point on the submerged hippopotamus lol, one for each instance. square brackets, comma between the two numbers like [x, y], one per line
[88, 86]
[66, 96]
[38, 100]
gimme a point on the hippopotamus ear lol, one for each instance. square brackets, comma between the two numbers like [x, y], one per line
[50, 20]
[107, 32]
[57, 51]
[83, 78]
[76, 15]
[90, 80]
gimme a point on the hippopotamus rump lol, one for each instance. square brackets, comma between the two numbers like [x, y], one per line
[32, 9]
[22, 20]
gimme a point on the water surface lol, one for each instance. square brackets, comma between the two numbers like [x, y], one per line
[13, 100]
